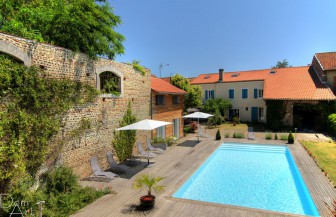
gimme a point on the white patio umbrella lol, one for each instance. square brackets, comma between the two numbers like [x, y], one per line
[146, 124]
[198, 115]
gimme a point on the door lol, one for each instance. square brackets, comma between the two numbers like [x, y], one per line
[176, 126]
[254, 115]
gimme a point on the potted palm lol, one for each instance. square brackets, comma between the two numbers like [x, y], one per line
[150, 182]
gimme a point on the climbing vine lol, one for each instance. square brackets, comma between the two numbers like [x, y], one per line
[136, 65]
[31, 109]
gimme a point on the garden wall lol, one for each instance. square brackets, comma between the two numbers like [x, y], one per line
[103, 115]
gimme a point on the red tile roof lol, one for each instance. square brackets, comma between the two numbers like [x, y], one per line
[293, 83]
[160, 86]
[327, 60]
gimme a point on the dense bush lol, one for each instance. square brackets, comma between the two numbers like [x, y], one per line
[238, 135]
[276, 136]
[188, 129]
[284, 137]
[290, 138]
[211, 105]
[268, 136]
[215, 120]
[218, 135]
[61, 191]
[235, 120]
[332, 124]
[274, 114]
[227, 135]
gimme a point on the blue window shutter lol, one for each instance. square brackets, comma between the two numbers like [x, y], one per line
[243, 93]
[212, 94]
[206, 94]
[255, 93]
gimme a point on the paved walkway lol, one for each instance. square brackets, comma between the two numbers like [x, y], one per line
[177, 164]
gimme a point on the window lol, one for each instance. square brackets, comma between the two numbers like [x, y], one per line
[159, 100]
[231, 93]
[161, 132]
[176, 99]
[258, 93]
[209, 94]
[109, 83]
[244, 93]
[261, 112]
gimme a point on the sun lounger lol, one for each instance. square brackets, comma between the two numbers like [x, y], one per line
[117, 168]
[97, 171]
[250, 134]
[144, 154]
[151, 148]
[200, 132]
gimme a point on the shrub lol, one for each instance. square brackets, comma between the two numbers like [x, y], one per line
[61, 180]
[332, 123]
[276, 136]
[290, 138]
[194, 126]
[268, 136]
[218, 135]
[215, 120]
[238, 135]
[284, 137]
[235, 120]
[227, 135]
[188, 129]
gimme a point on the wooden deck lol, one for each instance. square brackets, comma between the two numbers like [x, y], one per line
[177, 164]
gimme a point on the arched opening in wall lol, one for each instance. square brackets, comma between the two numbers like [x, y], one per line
[10, 57]
[110, 83]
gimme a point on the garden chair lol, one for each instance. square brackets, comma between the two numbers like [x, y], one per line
[144, 154]
[201, 133]
[153, 149]
[117, 168]
[250, 134]
[97, 171]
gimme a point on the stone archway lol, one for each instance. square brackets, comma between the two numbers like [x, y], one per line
[114, 70]
[15, 52]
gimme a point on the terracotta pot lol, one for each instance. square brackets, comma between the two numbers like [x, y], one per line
[147, 201]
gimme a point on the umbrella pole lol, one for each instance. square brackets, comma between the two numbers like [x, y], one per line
[198, 132]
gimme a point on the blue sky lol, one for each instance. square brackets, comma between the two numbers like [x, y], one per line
[196, 37]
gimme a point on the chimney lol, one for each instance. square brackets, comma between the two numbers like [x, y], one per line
[221, 75]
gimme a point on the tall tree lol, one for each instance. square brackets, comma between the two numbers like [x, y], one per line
[80, 25]
[281, 64]
[194, 97]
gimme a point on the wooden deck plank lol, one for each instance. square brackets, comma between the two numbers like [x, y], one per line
[178, 163]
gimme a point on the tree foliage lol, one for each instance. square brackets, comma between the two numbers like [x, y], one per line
[124, 140]
[222, 105]
[194, 97]
[281, 64]
[80, 25]
[217, 119]
[31, 107]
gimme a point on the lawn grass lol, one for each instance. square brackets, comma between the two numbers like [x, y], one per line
[238, 127]
[325, 154]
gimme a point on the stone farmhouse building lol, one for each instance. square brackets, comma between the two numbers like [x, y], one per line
[104, 114]
[167, 105]
[249, 91]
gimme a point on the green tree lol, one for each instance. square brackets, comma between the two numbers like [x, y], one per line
[80, 25]
[222, 105]
[194, 97]
[124, 140]
[281, 64]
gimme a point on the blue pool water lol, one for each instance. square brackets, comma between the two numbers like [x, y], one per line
[256, 176]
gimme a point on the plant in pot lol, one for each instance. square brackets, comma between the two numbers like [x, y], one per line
[150, 182]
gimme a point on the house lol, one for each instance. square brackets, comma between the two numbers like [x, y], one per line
[167, 105]
[296, 87]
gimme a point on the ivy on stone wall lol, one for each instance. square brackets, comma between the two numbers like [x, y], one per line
[123, 141]
[31, 109]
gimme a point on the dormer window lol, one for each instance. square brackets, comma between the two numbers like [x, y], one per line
[272, 72]
[234, 75]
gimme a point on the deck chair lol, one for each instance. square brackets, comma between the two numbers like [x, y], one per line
[117, 168]
[144, 154]
[152, 149]
[250, 134]
[97, 171]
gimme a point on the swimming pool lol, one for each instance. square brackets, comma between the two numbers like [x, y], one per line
[256, 176]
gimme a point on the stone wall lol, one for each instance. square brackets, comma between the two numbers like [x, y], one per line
[104, 114]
